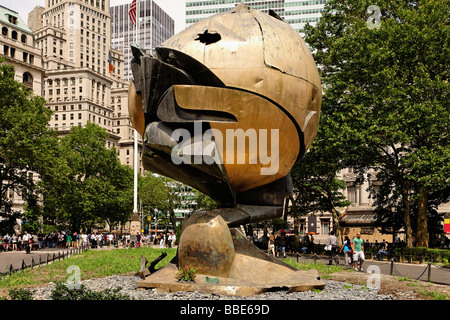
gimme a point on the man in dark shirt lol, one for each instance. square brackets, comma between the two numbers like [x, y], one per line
[280, 240]
[41, 239]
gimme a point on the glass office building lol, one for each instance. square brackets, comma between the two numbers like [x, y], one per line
[153, 26]
[295, 12]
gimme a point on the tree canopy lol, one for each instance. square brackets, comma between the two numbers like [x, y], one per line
[386, 96]
[86, 184]
[24, 140]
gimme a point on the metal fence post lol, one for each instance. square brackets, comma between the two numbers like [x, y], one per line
[392, 267]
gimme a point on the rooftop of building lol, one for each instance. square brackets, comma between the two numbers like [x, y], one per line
[18, 23]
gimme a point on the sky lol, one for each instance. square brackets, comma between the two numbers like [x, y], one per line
[175, 8]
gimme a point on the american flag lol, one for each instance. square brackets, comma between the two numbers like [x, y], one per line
[110, 60]
[132, 12]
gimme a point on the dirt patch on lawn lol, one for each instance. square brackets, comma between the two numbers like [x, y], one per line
[401, 288]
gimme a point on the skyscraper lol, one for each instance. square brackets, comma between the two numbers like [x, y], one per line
[84, 74]
[295, 12]
[153, 27]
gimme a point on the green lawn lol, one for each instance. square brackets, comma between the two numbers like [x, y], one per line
[92, 264]
[324, 270]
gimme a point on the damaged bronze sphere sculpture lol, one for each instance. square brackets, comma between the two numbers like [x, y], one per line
[228, 106]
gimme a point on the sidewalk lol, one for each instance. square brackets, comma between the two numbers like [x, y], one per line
[412, 271]
[15, 258]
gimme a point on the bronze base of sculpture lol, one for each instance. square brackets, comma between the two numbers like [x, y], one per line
[227, 263]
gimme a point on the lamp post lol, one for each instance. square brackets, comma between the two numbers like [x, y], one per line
[393, 210]
[168, 221]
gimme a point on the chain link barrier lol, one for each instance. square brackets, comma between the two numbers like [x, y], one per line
[393, 272]
[9, 270]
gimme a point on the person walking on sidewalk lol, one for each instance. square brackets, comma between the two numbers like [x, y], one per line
[26, 239]
[280, 242]
[14, 242]
[358, 252]
[347, 248]
[332, 245]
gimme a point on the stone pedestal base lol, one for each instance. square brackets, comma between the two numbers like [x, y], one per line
[228, 263]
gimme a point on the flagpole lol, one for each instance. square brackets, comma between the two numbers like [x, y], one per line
[135, 210]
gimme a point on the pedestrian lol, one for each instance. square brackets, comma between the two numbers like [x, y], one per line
[358, 252]
[68, 240]
[61, 242]
[332, 246]
[138, 240]
[75, 239]
[26, 241]
[272, 245]
[347, 248]
[6, 240]
[161, 241]
[110, 239]
[41, 237]
[172, 239]
[100, 239]
[306, 244]
[14, 241]
[84, 239]
[55, 240]
[34, 239]
[280, 239]
[93, 240]
[382, 250]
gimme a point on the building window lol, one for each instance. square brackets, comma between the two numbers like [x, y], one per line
[28, 80]
[5, 31]
[302, 226]
[325, 227]
[352, 194]
[12, 19]
[23, 38]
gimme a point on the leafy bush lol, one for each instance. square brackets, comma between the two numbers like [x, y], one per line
[438, 255]
[186, 275]
[62, 292]
[21, 294]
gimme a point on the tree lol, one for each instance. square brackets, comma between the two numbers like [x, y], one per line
[24, 142]
[387, 92]
[203, 202]
[316, 185]
[86, 184]
[153, 192]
